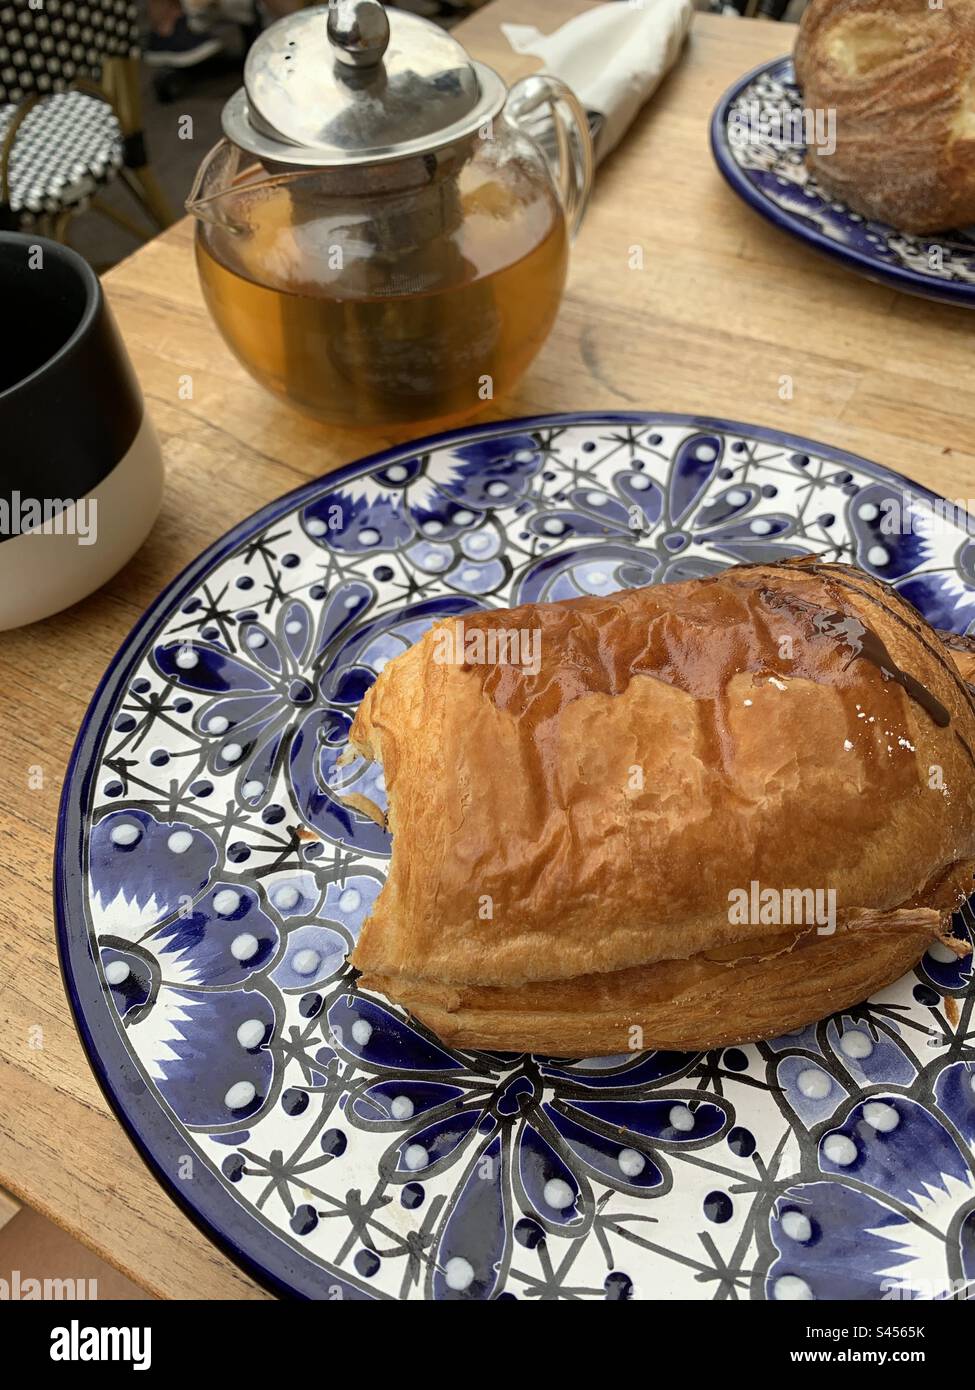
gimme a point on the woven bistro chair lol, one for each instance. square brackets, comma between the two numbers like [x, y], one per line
[71, 113]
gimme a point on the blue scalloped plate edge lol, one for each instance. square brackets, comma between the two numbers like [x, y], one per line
[891, 277]
[207, 1200]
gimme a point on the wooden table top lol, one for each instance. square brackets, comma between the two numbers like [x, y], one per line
[723, 308]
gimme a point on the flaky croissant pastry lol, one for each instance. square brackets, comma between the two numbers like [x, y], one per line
[673, 817]
[899, 76]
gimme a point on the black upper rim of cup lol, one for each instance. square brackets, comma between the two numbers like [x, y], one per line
[64, 257]
[74, 413]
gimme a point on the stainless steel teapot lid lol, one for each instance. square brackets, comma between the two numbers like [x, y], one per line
[352, 83]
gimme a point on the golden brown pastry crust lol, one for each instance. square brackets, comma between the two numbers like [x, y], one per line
[711, 1000]
[899, 75]
[772, 723]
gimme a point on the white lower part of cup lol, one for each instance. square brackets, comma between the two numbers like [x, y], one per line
[42, 572]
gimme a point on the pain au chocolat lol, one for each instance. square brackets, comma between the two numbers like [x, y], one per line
[675, 817]
[898, 75]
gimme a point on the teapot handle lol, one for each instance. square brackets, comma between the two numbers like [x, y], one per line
[552, 116]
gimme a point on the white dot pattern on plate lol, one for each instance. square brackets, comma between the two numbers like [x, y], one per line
[558, 1194]
[306, 962]
[126, 833]
[251, 1033]
[333, 611]
[790, 1289]
[401, 1107]
[856, 1044]
[631, 1163]
[840, 1149]
[814, 1083]
[458, 1273]
[240, 1094]
[796, 1226]
[881, 1117]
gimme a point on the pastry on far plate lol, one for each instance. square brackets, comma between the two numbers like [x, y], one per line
[900, 77]
[674, 817]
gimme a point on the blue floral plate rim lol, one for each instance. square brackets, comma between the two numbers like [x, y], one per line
[269, 1257]
[892, 276]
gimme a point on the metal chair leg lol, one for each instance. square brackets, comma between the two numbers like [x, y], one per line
[61, 222]
[121, 219]
[144, 186]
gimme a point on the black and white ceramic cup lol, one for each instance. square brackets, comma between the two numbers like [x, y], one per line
[80, 466]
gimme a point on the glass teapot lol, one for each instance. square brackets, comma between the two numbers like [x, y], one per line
[382, 235]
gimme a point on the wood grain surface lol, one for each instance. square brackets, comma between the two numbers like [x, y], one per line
[723, 309]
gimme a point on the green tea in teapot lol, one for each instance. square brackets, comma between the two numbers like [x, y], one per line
[423, 311]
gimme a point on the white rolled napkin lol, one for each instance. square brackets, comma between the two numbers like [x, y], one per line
[613, 57]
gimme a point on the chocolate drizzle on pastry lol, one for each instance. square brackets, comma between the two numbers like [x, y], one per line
[961, 668]
[850, 634]
[862, 642]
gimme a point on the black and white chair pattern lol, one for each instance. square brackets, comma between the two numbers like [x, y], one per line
[70, 116]
[59, 152]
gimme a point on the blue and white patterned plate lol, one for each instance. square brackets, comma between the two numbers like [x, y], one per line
[210, 881]
[770, 173]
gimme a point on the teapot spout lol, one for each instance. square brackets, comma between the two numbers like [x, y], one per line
[218, 177]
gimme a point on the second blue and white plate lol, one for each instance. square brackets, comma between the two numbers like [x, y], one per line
[770, 173]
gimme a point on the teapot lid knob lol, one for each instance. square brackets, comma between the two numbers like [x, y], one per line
[358, 31]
